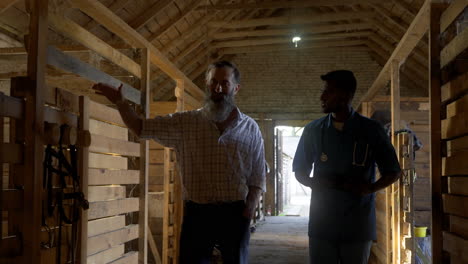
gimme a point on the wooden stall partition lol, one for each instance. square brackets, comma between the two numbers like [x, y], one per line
[449, 131]
[414, 113]
[165, 187]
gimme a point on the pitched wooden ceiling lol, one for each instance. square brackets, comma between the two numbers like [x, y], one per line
[192, 33]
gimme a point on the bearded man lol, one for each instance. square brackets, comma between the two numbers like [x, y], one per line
[222, 163]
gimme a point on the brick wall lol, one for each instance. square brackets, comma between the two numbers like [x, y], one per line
[289, 81]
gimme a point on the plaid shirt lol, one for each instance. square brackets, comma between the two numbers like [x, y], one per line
[214, 167]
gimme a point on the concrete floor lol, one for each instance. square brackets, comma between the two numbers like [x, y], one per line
[280, 240]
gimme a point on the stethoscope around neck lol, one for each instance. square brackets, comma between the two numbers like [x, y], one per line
[324, 156]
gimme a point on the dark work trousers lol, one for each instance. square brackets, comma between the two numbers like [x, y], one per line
[208, 225]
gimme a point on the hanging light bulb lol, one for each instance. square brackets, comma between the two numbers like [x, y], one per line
[295, 40]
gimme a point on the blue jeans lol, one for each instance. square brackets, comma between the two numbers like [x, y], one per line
[208, 225]
[330, 252]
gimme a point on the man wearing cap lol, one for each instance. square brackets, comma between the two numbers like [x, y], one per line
[342, 149]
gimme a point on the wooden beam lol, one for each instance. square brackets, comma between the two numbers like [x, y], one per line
[106, 176]
[5, 5]
[455, 88]
[173, 21]
[435, 11]
[71, 64]
[104, 225]
[11, 199]
[76, 32]
[103, 193]
[105, 241]
[456, 246]
[182, 38]
[144, 160]
[381, 56]
[111, 208]
[148, 14]
[287, 4]
[108, 255]
[451, 13]
[278, 47]
[106, 114]
[115, 24]
[34, 123]
[103, 144]
[15, 153]
[83, 125]
[288, 20]
[129, 258]
[115, 7]
[455, 47]
[268, 41]
[413, 35]
[288, 32]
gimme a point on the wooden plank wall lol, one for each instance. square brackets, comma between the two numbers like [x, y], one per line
[112, 191]
[415, 113]
[449, 59]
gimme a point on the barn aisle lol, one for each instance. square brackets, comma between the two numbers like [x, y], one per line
[280, 239]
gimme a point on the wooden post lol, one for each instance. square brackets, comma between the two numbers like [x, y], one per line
[435, 123]
[34, 120]
[144, 161]
[83, 125]
[395, 198]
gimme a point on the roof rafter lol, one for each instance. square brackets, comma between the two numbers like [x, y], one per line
[267, 41]
[287, 32]
[287, 20]
[287, 4]
[149, 13]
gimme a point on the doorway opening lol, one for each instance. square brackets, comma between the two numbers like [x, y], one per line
[293, 199]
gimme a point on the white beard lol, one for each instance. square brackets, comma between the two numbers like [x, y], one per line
[219, 111]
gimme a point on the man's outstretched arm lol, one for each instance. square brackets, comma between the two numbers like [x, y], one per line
[128, 114]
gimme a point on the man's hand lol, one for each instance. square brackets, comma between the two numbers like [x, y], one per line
[251, 202]
[249, 210]
[111, 93]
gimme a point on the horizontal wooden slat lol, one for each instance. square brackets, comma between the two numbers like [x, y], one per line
[105, 177]
[12, 199]
[457, 145]
[102, 193]
[113, 207]
[10, 246]
[156, 156]
[455, 205]
[456, 164]
[106, 114]
[458, 185]
[106, 256]
[451, 13]
[52, 115]
[105, 241]
[13, 153]
[105, 144]
[104, 225]
[454, 126]
[456, 246]
[11, 106]
[71, 64]
[108, 130]
[455, 47]
[460, 106]
[459, 226]
[128, 258]
[156, 170]
[107, 161]
[454, 88]
[81, 35]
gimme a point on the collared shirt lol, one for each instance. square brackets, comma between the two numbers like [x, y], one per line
[214, 167]
[349, 155]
